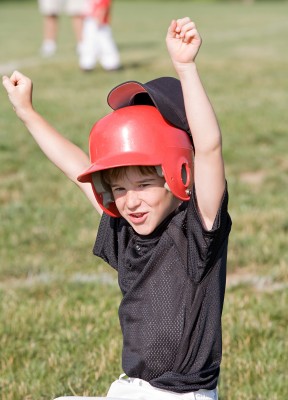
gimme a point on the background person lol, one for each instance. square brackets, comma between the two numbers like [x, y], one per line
[98, 44]
[51, 11]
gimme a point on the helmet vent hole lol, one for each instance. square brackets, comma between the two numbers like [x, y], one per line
[184, 174]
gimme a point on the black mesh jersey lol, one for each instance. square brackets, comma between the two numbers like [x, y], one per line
[173, 284]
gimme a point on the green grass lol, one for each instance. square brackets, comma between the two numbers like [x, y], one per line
[59, 331]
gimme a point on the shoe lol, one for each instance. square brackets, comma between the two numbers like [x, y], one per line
[48, 48]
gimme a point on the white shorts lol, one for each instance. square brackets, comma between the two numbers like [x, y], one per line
[137, 389]
[57, 7]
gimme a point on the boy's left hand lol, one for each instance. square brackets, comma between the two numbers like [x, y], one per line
[183, 41]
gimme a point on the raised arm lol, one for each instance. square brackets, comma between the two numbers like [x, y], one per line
[69, 158]
[183, 43]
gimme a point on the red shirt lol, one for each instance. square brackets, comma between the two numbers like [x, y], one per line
[100, 9]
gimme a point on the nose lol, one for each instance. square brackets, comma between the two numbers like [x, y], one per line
[132, 199]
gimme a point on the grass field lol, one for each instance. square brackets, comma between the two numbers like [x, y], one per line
[59, 330]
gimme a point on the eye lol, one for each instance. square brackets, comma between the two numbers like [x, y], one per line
[143, 185]
[118, 189]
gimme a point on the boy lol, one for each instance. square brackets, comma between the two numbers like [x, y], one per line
[164, 228]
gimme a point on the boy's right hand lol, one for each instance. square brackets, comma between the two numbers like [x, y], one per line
[19, 89]
[183, 42]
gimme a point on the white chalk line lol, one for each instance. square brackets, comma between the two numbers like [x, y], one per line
[12, 65]
[259, 283]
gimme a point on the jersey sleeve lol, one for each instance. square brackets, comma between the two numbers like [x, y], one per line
[206, 246]
[106, 244]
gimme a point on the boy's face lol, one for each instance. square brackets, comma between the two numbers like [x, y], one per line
[143, 200]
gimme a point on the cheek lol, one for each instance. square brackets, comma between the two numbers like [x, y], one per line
[157, 196]
[118, 202]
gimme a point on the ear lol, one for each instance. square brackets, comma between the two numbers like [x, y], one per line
[159, 171]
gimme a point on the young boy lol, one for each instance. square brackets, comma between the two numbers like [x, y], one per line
[165, 224]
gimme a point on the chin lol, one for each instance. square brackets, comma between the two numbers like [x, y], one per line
[143, 230]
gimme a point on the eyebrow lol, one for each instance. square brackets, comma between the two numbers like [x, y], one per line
[143, 180]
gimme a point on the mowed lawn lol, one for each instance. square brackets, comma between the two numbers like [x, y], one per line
[59, 330]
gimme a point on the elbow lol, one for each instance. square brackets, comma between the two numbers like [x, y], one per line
[209, 149]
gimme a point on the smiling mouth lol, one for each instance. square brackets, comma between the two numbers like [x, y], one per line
[138, 218]
[137, 215]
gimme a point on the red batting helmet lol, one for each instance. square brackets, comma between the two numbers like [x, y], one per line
[138, 135]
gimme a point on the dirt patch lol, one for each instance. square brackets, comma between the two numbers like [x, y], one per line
[253, 177]
[259, 283]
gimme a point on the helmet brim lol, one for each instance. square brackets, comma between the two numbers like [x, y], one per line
[114, 162]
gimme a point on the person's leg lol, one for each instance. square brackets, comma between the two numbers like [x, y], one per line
[76, 9]
[50, 27]
[50, 30]
[50, 10]
[90, 49]
[77, 23]
[109, 54]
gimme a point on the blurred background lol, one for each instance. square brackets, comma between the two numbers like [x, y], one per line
[59, 332]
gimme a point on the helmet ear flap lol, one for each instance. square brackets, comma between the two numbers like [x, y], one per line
[160, 172]
[101, 190]
[178, 174]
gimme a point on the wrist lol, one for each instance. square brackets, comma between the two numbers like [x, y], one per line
[25, 114]
[184, 69]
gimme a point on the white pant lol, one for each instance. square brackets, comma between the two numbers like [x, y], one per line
[56, 7]
[98, 45]
[137, 389]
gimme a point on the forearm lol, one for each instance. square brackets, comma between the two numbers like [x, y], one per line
[69, 158]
